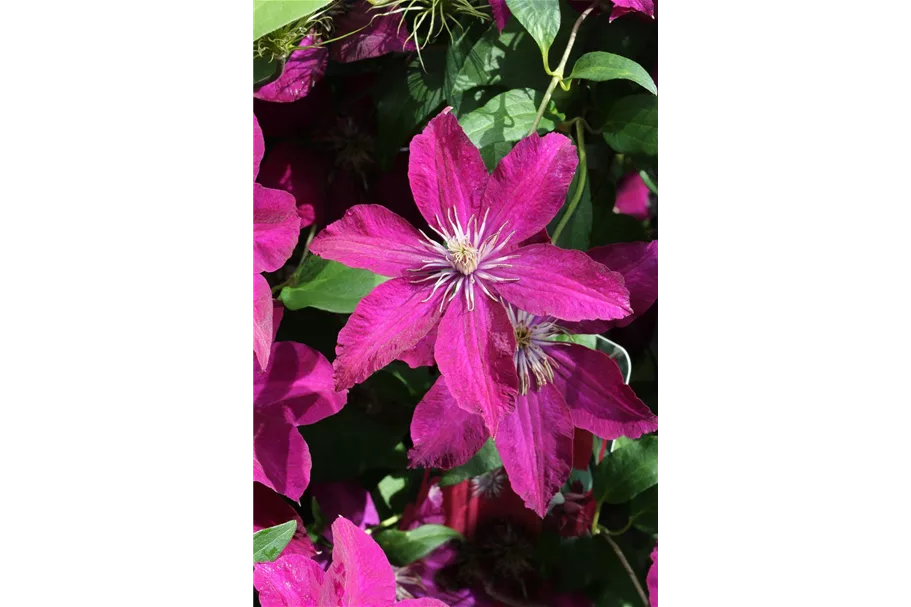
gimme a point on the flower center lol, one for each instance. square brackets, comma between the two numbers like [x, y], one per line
[533, 337]
[523, 336]
[464, 255]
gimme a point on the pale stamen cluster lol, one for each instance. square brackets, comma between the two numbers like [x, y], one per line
[531, 340]
[466, 258]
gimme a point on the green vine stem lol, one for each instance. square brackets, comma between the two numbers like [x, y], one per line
[580, 185]
[558, 73]
[629, 570]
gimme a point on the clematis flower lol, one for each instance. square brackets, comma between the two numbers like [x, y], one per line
[651, 579]
[360, 576]
[562, 386]
[356, 33]
[459, 285]
[500, 12]
[275, 230]
[295, 389]
[632, 197]
[622, 7]
[269, 509]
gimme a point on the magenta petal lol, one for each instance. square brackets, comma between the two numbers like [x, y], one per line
[536, 446]
[297, 385]
[347, 499]
[474, 351]
[632, 197]
[392, 319]
[293, 580]
[446, 171]
[421, 355]
[651, 579]
[276, 227]
[269, 510]
[302, 71]
[638, 263]
[529, 185]
[424, 602]
[622, 7]
[444, 434]
[378, 35]
[296, 170]
[262, 320]
[592, 384]
[281, 458]
[259, 146]
[500, 13]
[563, 283]
[373, 238]
[359, 569]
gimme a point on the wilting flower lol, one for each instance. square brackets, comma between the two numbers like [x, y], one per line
[270, 509]
[360, 576]
[562, 386]
[651, 579]
[622, 7]
[458, 285]
[295, 389]
[275, 230]
[300, 73]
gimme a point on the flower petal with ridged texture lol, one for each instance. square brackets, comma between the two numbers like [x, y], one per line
[622, 7]
[359, 569]
[301, 72]
[293, 580]
[529, 185]
[297, 385]
[592, 384]
[474, 351]
[651, 579]
[300, 172]
[373, 238]
[638, 263]
[500, 12]
[259, 146]
[276, 227]
[366, 34]
[444, 434]
[566, 284]
[421, 355]
[392, 319]
[262, 320]
[536, 446]
[446, 171]
[270, 509]
[281, 458]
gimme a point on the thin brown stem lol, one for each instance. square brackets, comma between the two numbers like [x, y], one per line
[629, 570]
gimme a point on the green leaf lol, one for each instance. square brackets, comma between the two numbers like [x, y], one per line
[403, 547]
[508, 117]
[651, 184]
[329, 285]
[540, 17]
[577, 233]
[485, 460]
[589, 341]
[269, 543]
[607, 66]
[627, 471]
[644, 508]
[494, 153]
[632, 125]
[389, 486]
[263, 69]
[269, 15]
[407, 96]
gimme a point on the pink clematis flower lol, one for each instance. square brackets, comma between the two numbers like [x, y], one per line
[651, 579]
[632, 197]
[295, 389]
[275, 230]
[458, 286]
[368, 33]
[622, 7]
[360, 576]
[562, 386]
[300, 73]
